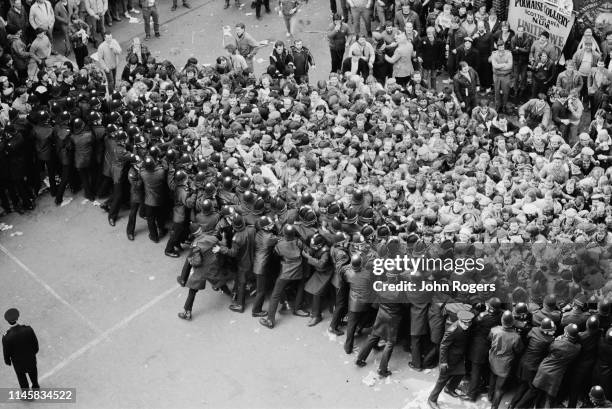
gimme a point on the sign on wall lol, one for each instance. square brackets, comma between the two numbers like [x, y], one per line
[554, 16]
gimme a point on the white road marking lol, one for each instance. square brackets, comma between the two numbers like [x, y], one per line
[50, 290]
[107, 333]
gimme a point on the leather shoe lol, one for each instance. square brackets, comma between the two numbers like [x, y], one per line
[187, 5]
[413, 366]
[111, 221]
[180, 281]
[260, 314]
[130, 236]
[172, 254]
[173, 8]
[336, 331]
[185, 315]
[384, 373]
[266, 323]
[104, 207]
[314, 321]
[301, 313]
[237, 308]
[153, 239]
[469, 398]
[451, 393]
[360, 363]
[432, 404]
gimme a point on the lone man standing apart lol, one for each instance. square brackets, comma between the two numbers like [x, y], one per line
[20, 347]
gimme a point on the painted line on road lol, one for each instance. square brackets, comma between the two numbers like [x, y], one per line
[50, 290]
[106, 334]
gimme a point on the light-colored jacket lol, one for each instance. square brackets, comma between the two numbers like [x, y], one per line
[502, 62]
[367, 51]
[108, 54]
[42, 15]
[95, 7]
[402, 59]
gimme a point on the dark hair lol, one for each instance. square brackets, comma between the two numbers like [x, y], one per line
[241, 25]
[336, 17]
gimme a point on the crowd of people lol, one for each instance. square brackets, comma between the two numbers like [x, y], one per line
[274, 182]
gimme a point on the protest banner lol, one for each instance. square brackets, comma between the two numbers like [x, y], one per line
[554, 16]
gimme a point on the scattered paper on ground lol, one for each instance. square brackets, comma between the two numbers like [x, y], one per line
[4, 226]
[17, 233]
[66, 201]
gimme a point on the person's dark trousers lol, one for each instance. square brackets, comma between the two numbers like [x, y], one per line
[86, 176]
[79, 54]
[22, 378]
[189, 301]
[431, 358]
[111, 77]
[51, 172]
[528, 399]
[496, 391]
[345, 11]
[341, 306]
[277, 292]
[402, 81]
[443, 380]
[261, 292]
[416, 350]
[147, 14]
[178, 230]
[258, 4]
[185, 270]
[5, 190]
[386, 354]
[19, 190]
[131, 224]
[316, 306]
[104, 186]
[336, 59]
[518, 394]
[153, 215]
[476, 374]
[354, 319]
[240, 289]
[65, 177]
[115, 200]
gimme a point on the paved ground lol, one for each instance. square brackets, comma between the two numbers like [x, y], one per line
[105, 308]
[105, 311]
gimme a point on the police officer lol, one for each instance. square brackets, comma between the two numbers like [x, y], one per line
[479, 345]
[265, 241]
[289, 249]
[340, 258]
[539, 340]
[598, 399]
[136, 194]
[20, 346]
[153, 177]
[506, 347]
[243, 250]
[452, 357]
[581, 370]
[563, 350]
[179, 185]
[318, 257]
[83, 142]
